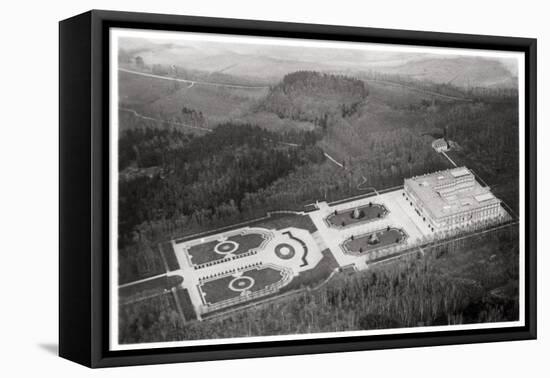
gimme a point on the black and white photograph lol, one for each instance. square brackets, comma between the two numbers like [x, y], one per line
[246, 189]
[266, 189]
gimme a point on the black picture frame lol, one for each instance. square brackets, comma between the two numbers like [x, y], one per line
[84, 199]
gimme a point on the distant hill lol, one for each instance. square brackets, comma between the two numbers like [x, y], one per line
[167, 100]
[312, 96]
[461, 71]
[268, 64]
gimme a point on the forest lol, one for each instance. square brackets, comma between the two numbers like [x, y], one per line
[203, 177]
[313, 96]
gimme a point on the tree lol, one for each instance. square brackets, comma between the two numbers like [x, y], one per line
[139, 62]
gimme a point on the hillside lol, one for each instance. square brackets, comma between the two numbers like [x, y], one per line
[461, 71]
[268, 64]
[165, 99]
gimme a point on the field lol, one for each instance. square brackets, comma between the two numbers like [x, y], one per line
[164, 99]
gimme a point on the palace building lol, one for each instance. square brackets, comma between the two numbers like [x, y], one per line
[451, 199]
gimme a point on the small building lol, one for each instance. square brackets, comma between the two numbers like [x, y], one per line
[451, 199]
[440, 145]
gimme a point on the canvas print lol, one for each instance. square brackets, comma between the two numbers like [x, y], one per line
[274, 189]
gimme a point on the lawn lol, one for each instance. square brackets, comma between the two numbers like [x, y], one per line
[169, 256]
[304, 247]
[205, 252]
[219, 290]
[315, 276]
[263, 277]
[367, 213]
[308, 279]
[386, 237]
[185, 303]
[280, 221]
[275, 221]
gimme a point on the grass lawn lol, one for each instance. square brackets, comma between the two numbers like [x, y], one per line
[366, 213]
[169, 255]
[313, 277]
[275, 221]
[280, 221]
[307, 279]
[263, 277]
[204, 253]
[359, 244]
[219, 290]
[185, 302]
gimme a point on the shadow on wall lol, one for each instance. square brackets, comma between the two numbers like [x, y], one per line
[51, 348]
